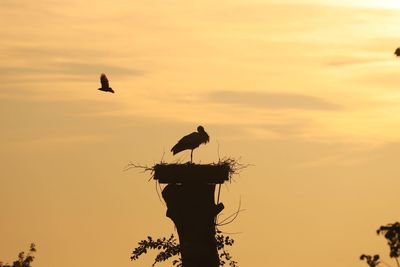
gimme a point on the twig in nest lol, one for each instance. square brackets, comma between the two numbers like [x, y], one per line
[144, 168]
[235, 167]
[135, 166]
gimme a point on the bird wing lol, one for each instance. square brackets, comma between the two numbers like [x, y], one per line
[104, 81]
[186, 142]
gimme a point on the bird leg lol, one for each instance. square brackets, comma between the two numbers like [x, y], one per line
[191, 156]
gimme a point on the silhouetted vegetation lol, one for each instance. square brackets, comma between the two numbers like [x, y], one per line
[224, 255]
[23, 260]
[170, 248]
[372, 261]
[392, 233]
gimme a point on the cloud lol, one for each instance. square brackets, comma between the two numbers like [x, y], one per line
[285, 128]
[68, 68]
[33, 51]
[57, 122]
[253, 132]
[63, 63]
[273, 100]
[353, 62]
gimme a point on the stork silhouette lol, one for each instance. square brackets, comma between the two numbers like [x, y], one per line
[105, 87]
[191, 141]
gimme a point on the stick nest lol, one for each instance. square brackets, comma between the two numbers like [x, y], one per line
[223, 170]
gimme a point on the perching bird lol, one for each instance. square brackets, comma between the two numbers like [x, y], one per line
[397, 52]
[191, 141]
[104, 84]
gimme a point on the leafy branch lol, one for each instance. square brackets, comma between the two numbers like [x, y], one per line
[23, 261]
[224, 255]
[372, 261]
[170, 248]
[392, 233]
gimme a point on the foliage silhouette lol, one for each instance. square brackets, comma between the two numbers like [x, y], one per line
[23, 260]
[391, 232]
[170, 248]
[372, 261]
[223, 241]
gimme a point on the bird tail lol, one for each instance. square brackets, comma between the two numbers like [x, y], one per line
[176, 149]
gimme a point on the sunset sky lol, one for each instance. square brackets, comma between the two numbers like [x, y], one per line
[306, 91]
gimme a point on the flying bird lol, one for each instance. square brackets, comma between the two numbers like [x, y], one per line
[191, 141]
[104, 84]
[397, 52]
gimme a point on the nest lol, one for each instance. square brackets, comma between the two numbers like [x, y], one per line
[177, 173]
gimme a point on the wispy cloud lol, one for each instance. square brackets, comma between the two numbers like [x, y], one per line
[269, 100]
[353, 62]
[33, 62]
[68, 70]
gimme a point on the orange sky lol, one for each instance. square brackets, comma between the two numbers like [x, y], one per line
[305, 91]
